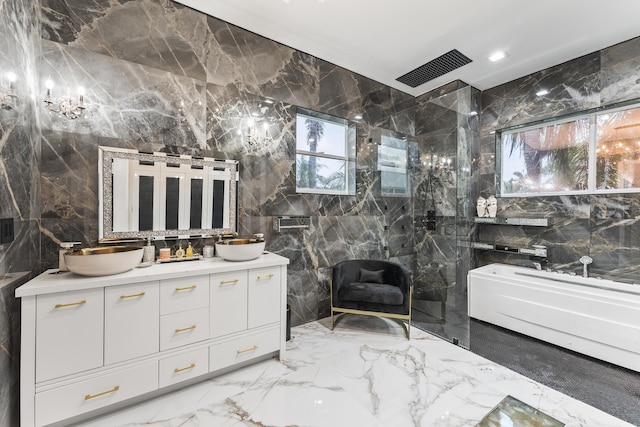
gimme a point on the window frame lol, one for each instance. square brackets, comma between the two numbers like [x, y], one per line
[592, 116]
[348, 158]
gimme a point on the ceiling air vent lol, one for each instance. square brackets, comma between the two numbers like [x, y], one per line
[434, 69]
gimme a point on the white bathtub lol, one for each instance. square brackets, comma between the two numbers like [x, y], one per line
[599, 318]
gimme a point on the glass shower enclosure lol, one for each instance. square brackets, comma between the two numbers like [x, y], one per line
[446, 143]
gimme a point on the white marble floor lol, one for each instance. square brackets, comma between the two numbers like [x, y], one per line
[364, 373]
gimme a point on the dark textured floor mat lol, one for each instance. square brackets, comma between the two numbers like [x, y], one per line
[608, 387]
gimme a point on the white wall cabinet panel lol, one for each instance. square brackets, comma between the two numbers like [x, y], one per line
[228, 303]
[131, 321]
[69, 337]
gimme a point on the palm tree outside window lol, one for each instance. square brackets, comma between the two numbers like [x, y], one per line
[325, 162]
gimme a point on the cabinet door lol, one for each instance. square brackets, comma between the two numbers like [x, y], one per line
[264, 296]
[228, 303]
[132, 321]
[69, 333]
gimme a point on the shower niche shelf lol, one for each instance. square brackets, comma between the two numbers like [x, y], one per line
[533, 222]
[536, 250]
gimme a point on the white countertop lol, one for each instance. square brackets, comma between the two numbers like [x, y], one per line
[51, 281]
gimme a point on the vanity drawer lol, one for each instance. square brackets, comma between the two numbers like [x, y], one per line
[246, 347]
[184, 294]
[228, 303]
[184, 328]
[132, 321]
[69, 336]
[84, 396]
[183, 367]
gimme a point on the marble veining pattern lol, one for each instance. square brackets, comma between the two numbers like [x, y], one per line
[366, 373]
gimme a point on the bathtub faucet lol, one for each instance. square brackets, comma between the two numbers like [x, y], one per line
[585, 260]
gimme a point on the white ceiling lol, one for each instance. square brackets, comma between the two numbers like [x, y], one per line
[383, 40]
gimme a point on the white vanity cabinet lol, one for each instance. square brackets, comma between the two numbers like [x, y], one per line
[91, 342]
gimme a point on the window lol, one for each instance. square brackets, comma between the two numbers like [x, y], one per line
[392, 164]
[591, 153]
[325, 154]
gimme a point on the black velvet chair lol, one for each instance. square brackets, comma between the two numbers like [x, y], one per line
[373, 288]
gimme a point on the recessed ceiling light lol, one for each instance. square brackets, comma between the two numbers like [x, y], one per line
[498, 56]
[357, 117]
[542, 92]
[473, 113]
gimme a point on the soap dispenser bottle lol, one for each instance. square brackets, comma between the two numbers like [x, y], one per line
[149, 253]
[66, 247]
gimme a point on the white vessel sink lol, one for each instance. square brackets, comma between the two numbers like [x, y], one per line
[240, 249]
[103, 261]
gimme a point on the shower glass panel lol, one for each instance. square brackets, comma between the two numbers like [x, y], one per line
[445, 134]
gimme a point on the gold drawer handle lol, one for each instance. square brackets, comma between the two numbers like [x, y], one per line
[84, 301]
[188, 288]
[91, 396]
[176, 370]
[228, 282]
[255, 347]
[268, 276]
[190, 328]
[140, 294]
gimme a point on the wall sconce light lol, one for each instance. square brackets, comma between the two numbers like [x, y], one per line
[255, 132]
[433, 162]
[7, 93]
[66, 106]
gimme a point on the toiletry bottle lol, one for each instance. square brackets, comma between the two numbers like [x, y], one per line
[149, 253]
[189, 251]
[179, 252]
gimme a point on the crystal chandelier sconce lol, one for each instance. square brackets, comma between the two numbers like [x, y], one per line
[255, 132]
[71, 108]
[433, 162]
[7, 92]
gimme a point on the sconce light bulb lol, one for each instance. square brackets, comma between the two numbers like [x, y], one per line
[49, 84]
[11, 76]
[80, 90]
[250, 122]
[265, 126]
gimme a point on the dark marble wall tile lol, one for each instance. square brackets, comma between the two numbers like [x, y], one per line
[619, 76]
[573, 86]
[600, 226]
[158, 34]
[123, 99]
[19, 185]
[257, 65]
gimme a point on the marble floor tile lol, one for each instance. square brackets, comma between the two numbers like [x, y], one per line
[364, 373]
